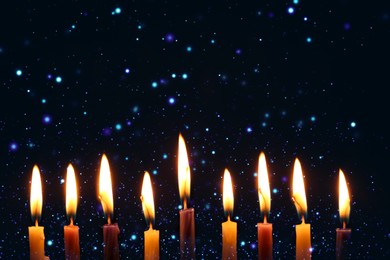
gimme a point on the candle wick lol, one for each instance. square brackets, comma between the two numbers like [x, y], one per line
[150, 225]
[109, 219]
[36, 222]
[344, 224]
[228, 216]
[71, 221]
[185, 203]
[265, 218]
[303, 219]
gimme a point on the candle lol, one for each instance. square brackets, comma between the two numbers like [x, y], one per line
[343, 234]
[71, 232]
[187, 215]
[36, 234]
[151, 236]
[264, 230]
[229, 228]
[303, 239]
[110, 231]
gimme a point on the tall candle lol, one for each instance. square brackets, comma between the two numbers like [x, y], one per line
[71, 231]
[110, 231]
[229, 228]
[36, 234]
[151, 236]
[343, 234]
[264, 230]
[187, 215]
[303, 237]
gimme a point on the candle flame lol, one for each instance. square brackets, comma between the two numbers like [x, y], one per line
[299, 194]
[105, 187]
[147, 198]
[36, 194]
[228, 199]
[183, 170]
[71, 192]
[344, 200]
[263, 186]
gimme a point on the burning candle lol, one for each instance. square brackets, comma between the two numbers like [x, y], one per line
[110, 231]
[264, 230]
[343, 234]
[71, 232]
[303, 239]
[229, 228]
[187, 215]
[35, 233]
[151, 236]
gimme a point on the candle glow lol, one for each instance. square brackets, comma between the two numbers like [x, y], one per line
[299, 194]
[263, 186]
[228, 200]
[344, 200]
[36, 195]
[71, 192]
[147, 198]
[105, 187]
[183, 171]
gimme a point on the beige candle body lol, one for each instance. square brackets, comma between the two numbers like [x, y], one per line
[110, 238]
[187, 233]
[36, 239]
[342, 237]
[303, 241]
[151, 244]
[72, 242]
[229, 240]
[264, 236]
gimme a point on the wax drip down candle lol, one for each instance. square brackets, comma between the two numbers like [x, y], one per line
[229, 228]
[110, 231]
[264, 230]
[187, 215]
[71, 231]
[343, 234]
[36, 234]
[151, 236]
[303, 237]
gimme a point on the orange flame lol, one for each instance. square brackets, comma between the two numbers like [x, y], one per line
[344, 200]
[183, 171]
[71, 192]
[105, 187]
[36, 194]
[228, 198]
[299, 194]
[263, 186]
[147, 198]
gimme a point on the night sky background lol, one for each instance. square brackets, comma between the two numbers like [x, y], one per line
[306, 79]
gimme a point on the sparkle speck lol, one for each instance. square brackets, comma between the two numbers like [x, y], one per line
[353, 124]
[13, 146]
[184, 76]
[118, 126]
[19, 73]
[50, 242]
[58, 79]
[171, 100]
[46, 119]
[189, 48]
[308, 39]
[127, 71]
[154, 84]
[290, 10]
[133, 237]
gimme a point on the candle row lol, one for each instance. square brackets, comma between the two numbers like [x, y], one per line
[187, 215]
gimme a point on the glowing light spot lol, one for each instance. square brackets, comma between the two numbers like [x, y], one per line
[242, 243]
[19, 72]
[62, 181]
[173, 236]
[50, 242]
[274, 190]
[179, 207]
[255, 174]
[189, 48]
[139, 27]
[173, 75]
[308, 40]
[266, 115]
[46, 119]
[165, 156]
[118, 126]
[290, 10]
[43, 101]
[296, 2]
[249, 130]
[58, 79]
[169, 37]
[127, 70]
[133, 237]
[184, 76]
[118, 10]
[13, 146]
[212, 41]
[154, 172]
[305, 18]
[312, 118]
[238, 51]
[264, 124]
[154, 84]
[171, 100]
[135, 109]
[353, 124]
[212, 152]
